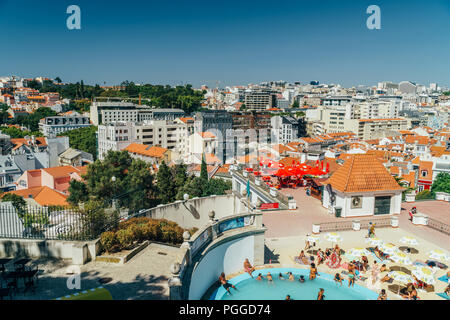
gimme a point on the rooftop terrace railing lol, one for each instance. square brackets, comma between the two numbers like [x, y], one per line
[439, 226]
[348, 224]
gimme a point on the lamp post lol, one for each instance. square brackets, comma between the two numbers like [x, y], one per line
[113, 180]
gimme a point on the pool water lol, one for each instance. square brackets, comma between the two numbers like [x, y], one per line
[252, 289]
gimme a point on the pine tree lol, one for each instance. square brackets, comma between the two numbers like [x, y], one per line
[165, 184]
[204, 170]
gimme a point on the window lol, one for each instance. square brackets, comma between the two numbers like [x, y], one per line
[424, 173]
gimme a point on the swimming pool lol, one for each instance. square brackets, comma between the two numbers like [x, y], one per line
[251, 289]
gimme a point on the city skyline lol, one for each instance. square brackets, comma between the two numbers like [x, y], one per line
[181, 43]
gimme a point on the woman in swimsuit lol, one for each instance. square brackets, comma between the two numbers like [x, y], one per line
[291, 276]
[383, 295]
[375, 272]
[259, 277]
[269, 276]
[302, 257]
[313, 272]
[321, 295]
[248, 267]
[351, 278]
[280, 277]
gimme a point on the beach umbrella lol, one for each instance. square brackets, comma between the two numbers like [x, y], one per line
[409, 241]
[400, 276]
[333, 237]
[358, 252]
[374, 241]
[400, 257]
[389, 248]
[313, 238]
[424, 274]
[438, 255]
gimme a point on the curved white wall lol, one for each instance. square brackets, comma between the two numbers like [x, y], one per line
[228, 257]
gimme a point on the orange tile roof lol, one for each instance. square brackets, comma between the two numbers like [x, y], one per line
[186, 120]
[363, 173]
[61, 171]
[44, 196]
[420, 140]
[146, 150]
[388, 119]
[428, 167]
[39, 140]
[207, 135]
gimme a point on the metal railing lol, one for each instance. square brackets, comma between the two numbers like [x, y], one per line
[348, 225]
[54, 223]
[439, 226]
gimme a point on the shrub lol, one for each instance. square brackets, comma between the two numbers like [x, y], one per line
[425, 194]
[137, 232]
[154, 230]
[108, 241]
[125, 238]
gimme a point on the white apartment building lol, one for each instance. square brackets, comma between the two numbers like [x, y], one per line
[167, 134]
[116, 137]
[379, 110]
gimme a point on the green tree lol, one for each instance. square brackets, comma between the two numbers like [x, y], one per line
[131, 187]
[204, 171]
[216, 187]
[165, 184]
[17, 201]
[84, 139]
[441, 183]
[78, 192]
[295, 104]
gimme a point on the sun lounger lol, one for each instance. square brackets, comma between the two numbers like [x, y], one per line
[443, 295]
[434, 263]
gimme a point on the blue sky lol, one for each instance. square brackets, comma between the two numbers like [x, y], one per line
[234, 42]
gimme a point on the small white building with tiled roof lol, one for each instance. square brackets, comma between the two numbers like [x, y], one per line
[362, 187]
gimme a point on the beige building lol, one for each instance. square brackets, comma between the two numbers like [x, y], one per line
[367, 129]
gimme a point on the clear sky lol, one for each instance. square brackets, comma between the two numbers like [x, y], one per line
[234, 42]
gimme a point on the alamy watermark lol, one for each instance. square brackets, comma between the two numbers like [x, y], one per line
[374, 20]
[73, 22]
[74, 280]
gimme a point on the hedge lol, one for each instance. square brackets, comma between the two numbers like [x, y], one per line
[136, 230]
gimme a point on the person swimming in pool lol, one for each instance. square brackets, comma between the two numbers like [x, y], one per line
[291, 276]
[225, 283]
[338, 278]
[259, 277]
[269, 276]
[288, 297]
[320, 295]
[313, 272]
[280, 277]
[301, 279]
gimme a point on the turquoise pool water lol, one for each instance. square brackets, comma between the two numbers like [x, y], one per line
[251, 289]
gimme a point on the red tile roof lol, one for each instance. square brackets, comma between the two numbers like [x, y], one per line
[362, 173]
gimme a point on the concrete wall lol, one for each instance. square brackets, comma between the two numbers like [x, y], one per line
[194, 213]
[79, 251]
[368, 203]
[227, 257]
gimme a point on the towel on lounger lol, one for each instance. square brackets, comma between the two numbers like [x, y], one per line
[443, 295]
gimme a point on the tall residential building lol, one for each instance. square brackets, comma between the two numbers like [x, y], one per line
[259, 99]
[286, 129]
[367, 129]
[216, 122]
